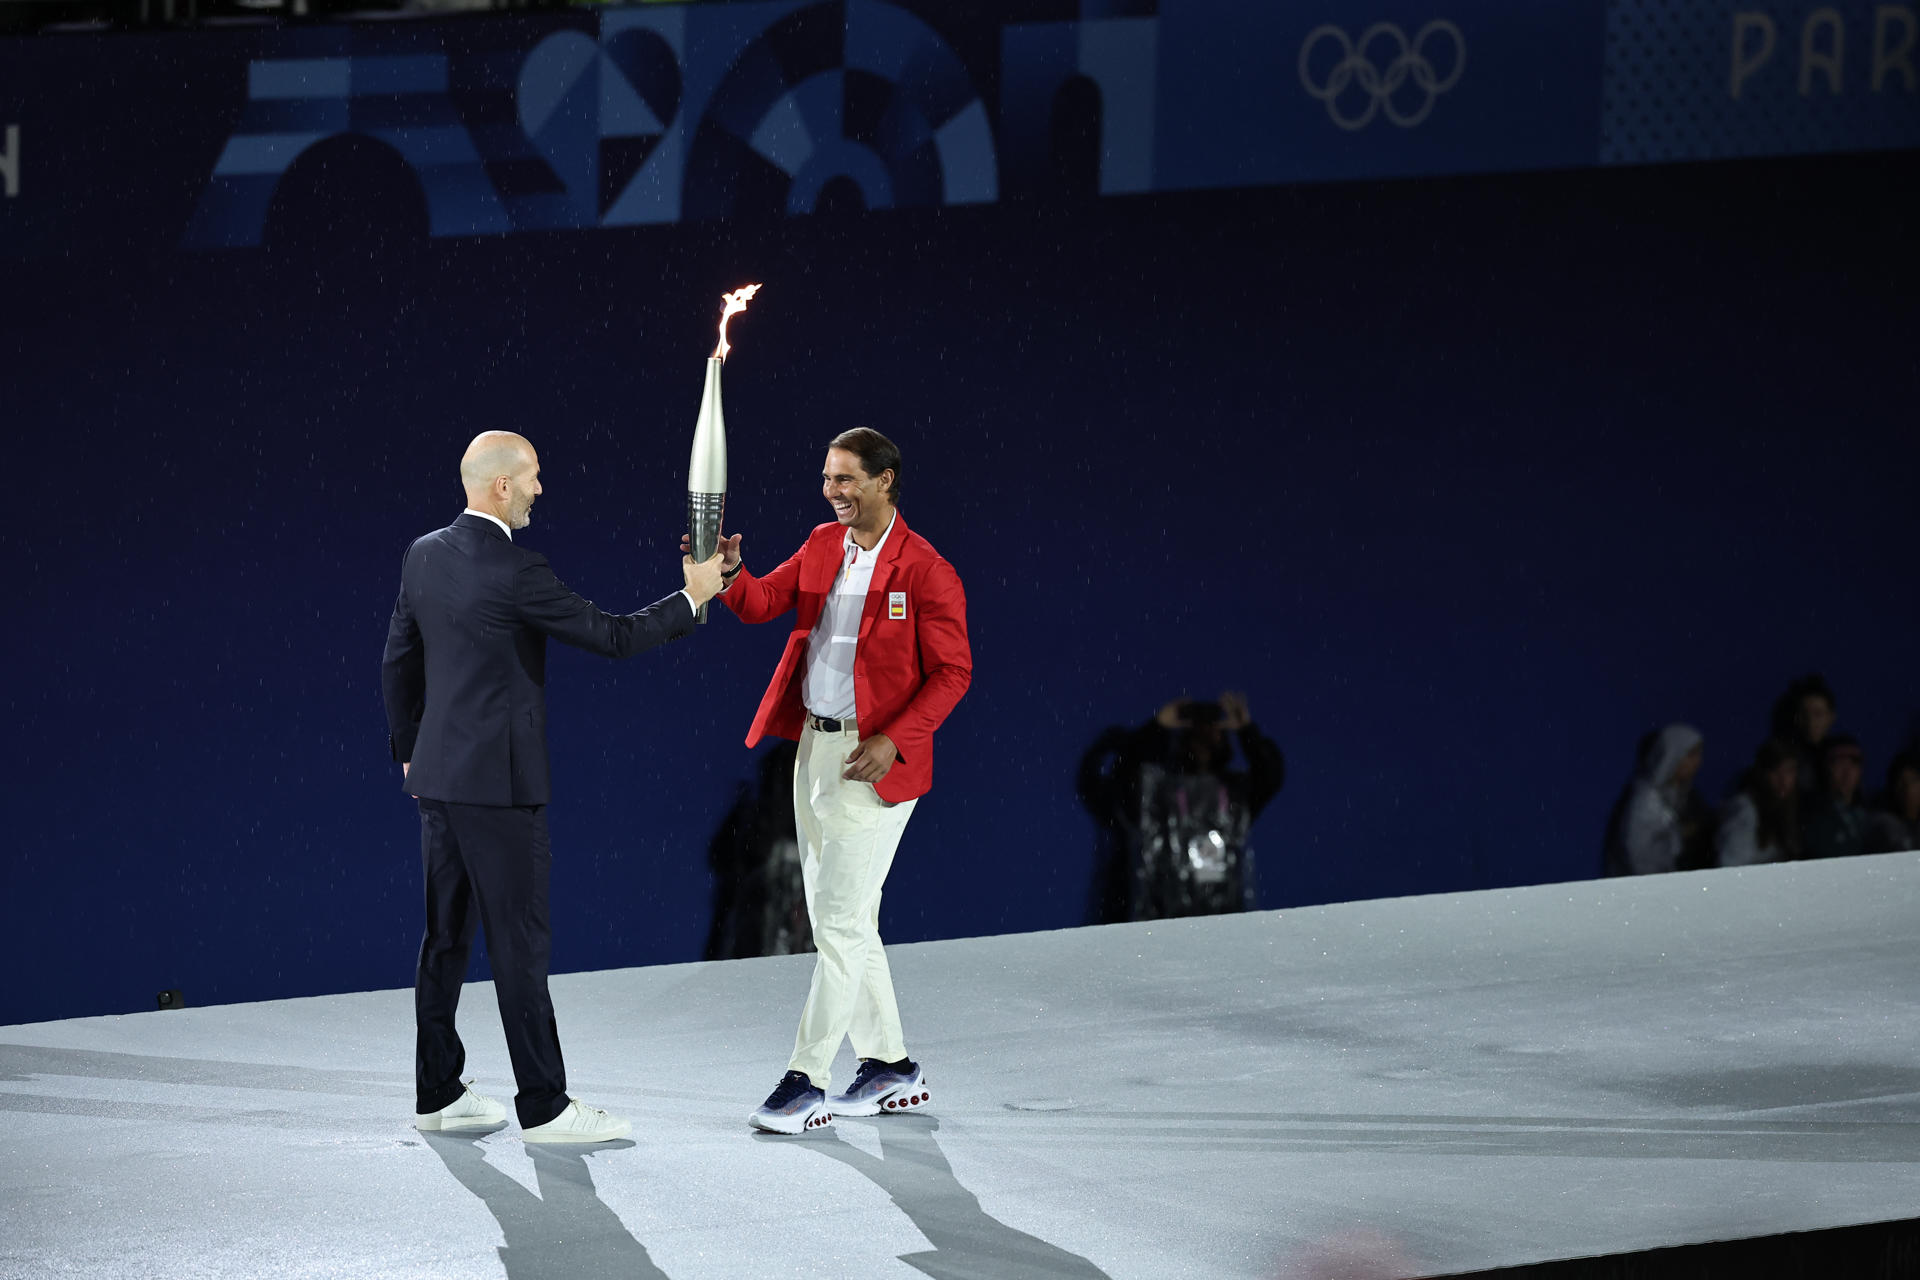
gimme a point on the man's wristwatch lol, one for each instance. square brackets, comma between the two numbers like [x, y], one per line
[728, 575]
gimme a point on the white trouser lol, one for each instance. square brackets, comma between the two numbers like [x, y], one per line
[847, 838]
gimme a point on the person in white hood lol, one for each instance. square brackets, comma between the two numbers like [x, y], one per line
[1660, 817]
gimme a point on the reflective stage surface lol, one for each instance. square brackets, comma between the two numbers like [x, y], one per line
[1417, 1085]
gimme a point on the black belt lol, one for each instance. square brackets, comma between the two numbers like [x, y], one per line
[824, 725]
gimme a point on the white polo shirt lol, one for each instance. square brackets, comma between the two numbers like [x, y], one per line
[827, 686]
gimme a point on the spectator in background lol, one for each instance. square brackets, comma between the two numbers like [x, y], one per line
[1761, 823]
[1835, 825]
[1175, 813]
[1661, 823]
[1801, 718]
[1895, 826]
[759, 891]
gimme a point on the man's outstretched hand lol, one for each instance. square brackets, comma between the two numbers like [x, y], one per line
[729, 549]
[871, 759]
[703, 578]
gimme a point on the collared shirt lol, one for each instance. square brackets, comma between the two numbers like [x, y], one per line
[827, 688]
[488, 515]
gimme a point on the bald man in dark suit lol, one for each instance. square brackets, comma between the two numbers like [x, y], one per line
[464, 678]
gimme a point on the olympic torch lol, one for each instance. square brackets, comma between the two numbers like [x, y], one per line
[707, 466]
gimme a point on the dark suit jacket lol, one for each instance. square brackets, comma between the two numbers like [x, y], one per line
[465, 672]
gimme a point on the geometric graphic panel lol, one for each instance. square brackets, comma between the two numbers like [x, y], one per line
[1694, 82]
[398, 99]
[860, 91]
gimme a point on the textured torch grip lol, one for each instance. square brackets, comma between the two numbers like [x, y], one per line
[704, 511]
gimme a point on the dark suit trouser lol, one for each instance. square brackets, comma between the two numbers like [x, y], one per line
[487, 866]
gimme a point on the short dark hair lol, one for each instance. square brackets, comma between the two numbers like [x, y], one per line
[1835, 743]
[876, 454]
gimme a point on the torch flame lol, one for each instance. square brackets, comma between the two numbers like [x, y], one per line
[736, 302]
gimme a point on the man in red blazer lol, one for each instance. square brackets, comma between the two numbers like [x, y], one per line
[876, 659]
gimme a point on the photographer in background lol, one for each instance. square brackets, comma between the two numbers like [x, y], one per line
[1174, 814]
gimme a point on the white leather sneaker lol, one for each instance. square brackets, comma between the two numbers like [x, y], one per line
[579, 1123]
[469, 1111]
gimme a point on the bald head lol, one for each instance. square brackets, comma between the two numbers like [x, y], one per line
[494, 454]
[501, 474]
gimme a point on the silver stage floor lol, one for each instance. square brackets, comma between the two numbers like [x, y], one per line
[1437, 1084]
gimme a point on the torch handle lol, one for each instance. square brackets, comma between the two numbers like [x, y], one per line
[704, 513]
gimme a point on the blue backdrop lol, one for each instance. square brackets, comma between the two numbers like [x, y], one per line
[1465, 481]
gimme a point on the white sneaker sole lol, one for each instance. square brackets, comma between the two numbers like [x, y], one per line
[439, 1123]
[818, 1118]
[612, 1133]
[907, 1097]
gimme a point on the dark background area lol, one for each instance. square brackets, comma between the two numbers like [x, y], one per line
[1465, 482]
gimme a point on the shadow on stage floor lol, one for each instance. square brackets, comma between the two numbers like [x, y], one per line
[564, 1232]
[967, 1241]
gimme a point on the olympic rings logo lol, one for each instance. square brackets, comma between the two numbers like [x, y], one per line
[1358, 69]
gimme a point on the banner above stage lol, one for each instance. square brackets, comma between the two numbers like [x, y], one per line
[663, 113]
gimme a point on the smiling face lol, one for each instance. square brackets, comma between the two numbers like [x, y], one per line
[860, 502]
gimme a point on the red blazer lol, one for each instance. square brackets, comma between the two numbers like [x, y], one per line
[908, 672]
